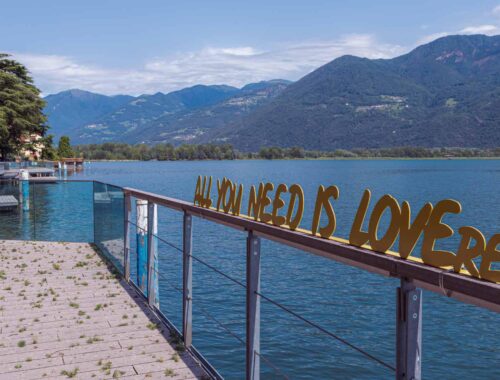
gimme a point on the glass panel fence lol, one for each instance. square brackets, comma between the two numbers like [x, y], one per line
[26, 165]
[109, 226]
[55, 211]
[62, 211]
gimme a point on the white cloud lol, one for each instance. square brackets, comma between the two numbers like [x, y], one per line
[235, 66]
[481, 29]
[487, 29]
[496, 10]
[431, 37]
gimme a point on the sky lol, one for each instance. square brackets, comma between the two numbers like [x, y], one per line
[146, 46]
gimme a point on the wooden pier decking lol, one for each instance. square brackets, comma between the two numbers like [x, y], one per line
[64, 314]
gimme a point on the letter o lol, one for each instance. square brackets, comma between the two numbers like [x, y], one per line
[385, 243]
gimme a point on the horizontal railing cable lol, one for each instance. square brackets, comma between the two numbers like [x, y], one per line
[225, 328]
[218, 271]
[159, 238]
[220, 324]
[204, 311]
[195, 258]
[273, 366]
[277, 304]
[327, 332]
[168, 282]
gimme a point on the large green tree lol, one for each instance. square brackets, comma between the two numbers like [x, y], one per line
[21, 108]
[64, 149]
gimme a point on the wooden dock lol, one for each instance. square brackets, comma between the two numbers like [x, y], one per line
[65, 314]
[71, 163]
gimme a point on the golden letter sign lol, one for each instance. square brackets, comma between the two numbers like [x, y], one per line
[266, 205]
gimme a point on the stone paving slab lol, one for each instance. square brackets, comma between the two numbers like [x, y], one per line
[65, 314]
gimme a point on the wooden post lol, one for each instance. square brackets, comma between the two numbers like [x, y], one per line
[152, 256]
[187, 281]
[142, 244]
[253, 308]
[409, 332]
[126, 236]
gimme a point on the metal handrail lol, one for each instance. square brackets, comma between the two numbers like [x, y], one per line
[268, 299]
[466, 289]
[411, 272]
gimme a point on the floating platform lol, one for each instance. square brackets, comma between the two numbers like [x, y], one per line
[8, 202]
[45, 179]
[66, 314]
[35, 174]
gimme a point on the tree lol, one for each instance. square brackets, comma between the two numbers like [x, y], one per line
[296, 152]
[21, 109]
[64, 149]
[48, 150]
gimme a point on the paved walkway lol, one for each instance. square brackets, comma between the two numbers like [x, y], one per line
[63, 314]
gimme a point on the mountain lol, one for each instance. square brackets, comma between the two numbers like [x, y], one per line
[71, 109]
[442, 94]
[445, 93]
[174, 117]
[132, 116]
[188, 125]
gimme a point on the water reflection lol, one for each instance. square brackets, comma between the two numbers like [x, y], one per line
[48, 211]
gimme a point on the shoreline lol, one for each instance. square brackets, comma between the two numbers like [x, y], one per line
[315, 159]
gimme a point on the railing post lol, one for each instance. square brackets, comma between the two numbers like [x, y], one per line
[187, 281]
[25, 189]
[253, 308]
[409, 332]
[126, 236]
[142, 245]
[152, 256]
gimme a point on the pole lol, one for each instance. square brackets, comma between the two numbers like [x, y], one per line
[126, 236]
[409, 332]
[253, 308]
[142, 244]
[187, 281]
[153, 294]
[25, 189]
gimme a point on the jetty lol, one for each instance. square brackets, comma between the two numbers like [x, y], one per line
[66, 313]
[35, 174]
[74, 163]
[96, 308]
[39, 171]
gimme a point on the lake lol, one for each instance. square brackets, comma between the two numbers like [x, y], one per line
[460, 341]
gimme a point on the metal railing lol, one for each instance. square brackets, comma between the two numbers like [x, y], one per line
[409, 297]
[11, 165]
[112, 213]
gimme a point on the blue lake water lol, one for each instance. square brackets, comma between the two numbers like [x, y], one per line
[460, 341]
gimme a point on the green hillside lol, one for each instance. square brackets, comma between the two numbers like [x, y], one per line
[442, 94]
[445, 93]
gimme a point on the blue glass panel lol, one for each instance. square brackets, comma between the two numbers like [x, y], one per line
[62, 211]
[109, 224]
[16, 222]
